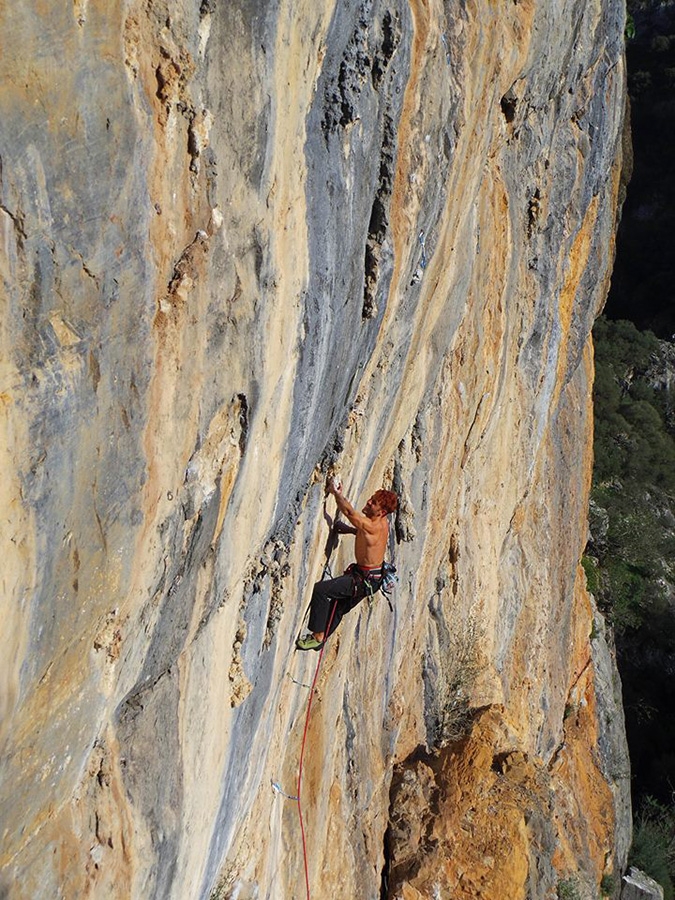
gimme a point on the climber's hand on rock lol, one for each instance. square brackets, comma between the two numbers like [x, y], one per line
[334, 486]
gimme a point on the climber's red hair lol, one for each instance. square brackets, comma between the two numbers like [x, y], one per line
[387, 500]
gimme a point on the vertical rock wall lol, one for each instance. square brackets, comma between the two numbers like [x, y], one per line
[244, 244]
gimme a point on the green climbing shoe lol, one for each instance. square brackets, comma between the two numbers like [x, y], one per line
[309, 642]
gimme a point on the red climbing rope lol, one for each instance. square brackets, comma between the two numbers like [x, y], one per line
[304, 738]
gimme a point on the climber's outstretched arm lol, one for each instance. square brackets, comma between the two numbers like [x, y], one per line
[357, 519]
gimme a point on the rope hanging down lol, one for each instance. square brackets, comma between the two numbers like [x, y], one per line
[331, 544]
[302, 749]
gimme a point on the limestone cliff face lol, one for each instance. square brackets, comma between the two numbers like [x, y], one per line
[243, 244]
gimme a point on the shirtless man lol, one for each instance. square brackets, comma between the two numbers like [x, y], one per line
[363, 577]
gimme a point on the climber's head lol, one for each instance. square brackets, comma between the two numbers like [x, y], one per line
[381, 504]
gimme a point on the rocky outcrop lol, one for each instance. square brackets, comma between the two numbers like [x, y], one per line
[244, 245]
[661, 373]
[638, 886]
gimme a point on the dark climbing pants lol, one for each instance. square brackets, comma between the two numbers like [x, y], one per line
[346, 592]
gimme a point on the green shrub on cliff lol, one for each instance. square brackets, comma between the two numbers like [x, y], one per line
[629, 31]
[568, 889]
[653, 849]
[449, 713]
[590, 567]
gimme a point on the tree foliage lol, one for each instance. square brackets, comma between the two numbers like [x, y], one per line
[630, 566]
[633, 479]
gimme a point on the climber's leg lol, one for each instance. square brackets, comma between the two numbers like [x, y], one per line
[323, 595]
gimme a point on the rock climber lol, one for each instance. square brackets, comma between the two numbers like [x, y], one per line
[362, 578]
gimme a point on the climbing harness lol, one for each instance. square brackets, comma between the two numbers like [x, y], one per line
[383, 579]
